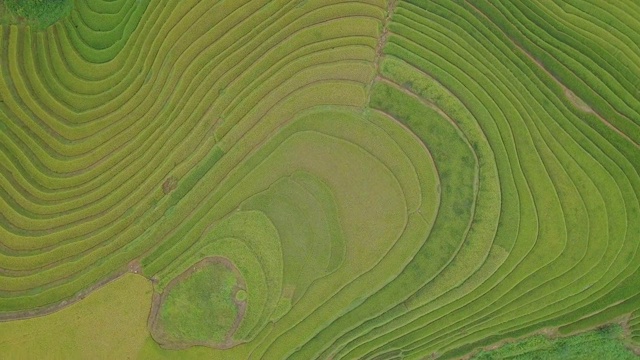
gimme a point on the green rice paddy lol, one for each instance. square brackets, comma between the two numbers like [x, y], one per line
[330, 179]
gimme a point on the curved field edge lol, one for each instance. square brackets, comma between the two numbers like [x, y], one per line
[475, 164]
[129, 297]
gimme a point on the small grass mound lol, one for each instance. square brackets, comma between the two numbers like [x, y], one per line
[200, 307]
[241, 295]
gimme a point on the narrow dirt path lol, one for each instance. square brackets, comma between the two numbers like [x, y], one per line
[573, 98]
[570, 95]
[382, 41]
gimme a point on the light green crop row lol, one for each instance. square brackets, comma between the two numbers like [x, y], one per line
[481, 232]
[64, 263]
[591, 82]
[456, 167]
[354, 263]
[392, 179]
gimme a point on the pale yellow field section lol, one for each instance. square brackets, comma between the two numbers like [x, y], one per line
[110, 323]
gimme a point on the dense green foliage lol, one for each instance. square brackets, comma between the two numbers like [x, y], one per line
[38, 13]
[603, 344]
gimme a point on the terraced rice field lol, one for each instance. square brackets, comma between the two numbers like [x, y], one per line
[317, 179]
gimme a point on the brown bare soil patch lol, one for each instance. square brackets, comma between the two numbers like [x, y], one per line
[135, 267]
[576, 101]
[169, 184]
